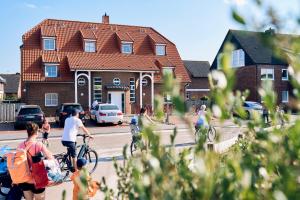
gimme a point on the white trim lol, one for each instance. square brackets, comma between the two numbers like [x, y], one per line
[162, 44]
[76, 98]
[287, 74]
[152, 91]
[49, 38]
[90, 40]
[126, 42]
[141, 90]
[265, 68]
[197, 90]
[125, 71]
[90, 90]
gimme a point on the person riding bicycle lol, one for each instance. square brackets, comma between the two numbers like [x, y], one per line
[202, 121]
[72, 126]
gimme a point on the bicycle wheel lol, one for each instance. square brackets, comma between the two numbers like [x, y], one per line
[64, 164]
[91, 157]
[133, 147]
[211, 134]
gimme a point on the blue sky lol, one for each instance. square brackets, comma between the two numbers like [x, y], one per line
[197, 27]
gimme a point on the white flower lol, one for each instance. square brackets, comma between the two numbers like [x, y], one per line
[291, 70]
[263, 172]
[146, 180]
[278, 195]
[217, 112]
[154, 163]
[246, 180]
[219, 78]
[199, 166]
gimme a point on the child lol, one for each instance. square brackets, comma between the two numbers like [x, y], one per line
[46, 130]
[78, 180]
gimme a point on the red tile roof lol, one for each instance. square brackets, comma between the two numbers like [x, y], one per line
[71, 56]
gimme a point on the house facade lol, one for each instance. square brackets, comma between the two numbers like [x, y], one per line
[70, 61]
[12, 90]
[255, 61]
[198, 72]
[2, 85]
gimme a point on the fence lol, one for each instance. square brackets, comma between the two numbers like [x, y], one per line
[194, 105]
[8, 111]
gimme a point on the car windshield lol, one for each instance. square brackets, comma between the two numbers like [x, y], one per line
[69, 108]
[254, 105]
[109, 107]
[29, 111]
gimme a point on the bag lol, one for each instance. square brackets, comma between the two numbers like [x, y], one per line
[18, 167]
[15, 193]
[55, 176]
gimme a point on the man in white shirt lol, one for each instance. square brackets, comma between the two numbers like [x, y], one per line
[72, 126]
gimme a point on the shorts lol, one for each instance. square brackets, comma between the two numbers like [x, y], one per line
[45, 135]
[31, 187]
[71, 146]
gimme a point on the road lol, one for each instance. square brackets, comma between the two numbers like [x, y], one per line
[109, 143]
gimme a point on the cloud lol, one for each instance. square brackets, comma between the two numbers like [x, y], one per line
[30, 5]
[236, 2]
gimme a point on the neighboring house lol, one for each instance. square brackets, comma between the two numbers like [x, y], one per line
[2, 86]
[256, 61]
[12, 89]
[199, 86]
[71, 61]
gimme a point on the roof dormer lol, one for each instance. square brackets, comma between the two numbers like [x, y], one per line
[89, 40]
[159, 45]
[48, 38]
[125, 42]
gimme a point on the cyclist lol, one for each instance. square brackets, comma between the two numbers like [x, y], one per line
[72, 126]
[202, 121]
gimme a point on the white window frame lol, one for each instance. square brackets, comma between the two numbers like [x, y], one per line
[53, 99]
[287, 75]
[48, 39]
[287, 96]
[99, 90]
[56, 70]
[123, 50]
[88, 48]
[238, 58]
[144, 82]
[132, 89]
[267, 72]
[115, 80]
[160, 52]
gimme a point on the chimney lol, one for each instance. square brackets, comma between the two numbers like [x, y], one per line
[270, 31]
[105, 19]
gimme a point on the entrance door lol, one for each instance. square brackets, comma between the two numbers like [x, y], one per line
[117, 98]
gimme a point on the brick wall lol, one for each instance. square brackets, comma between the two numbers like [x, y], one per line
[198, 83]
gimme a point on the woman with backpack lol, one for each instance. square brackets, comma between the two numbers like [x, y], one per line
[33, 148]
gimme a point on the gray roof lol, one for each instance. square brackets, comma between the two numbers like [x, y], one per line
[12, 82]
[197, 69]
[257, 45]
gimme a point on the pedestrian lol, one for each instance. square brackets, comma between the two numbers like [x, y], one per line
[95, 103]
[280, 115]
[46, 131]
[144, 117]
[69, 137]
[29, 190]
[265, 114]
[81, 191]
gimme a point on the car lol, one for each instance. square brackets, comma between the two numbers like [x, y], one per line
[106, 113]
[251, 107]
[65, 110]
[29, 113]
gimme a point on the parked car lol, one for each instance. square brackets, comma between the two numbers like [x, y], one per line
[65, 110]
[106, 113]
[252, 107]
[29, 113]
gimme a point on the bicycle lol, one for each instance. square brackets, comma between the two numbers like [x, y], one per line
[135, 132]
[65, 161]
[211, 133]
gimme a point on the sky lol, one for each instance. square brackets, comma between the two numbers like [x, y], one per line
[197, 27]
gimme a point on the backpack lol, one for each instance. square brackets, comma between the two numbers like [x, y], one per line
[18, 167]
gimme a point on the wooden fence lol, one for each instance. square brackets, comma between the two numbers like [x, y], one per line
[8, 111]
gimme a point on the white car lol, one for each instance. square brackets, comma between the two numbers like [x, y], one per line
[107, 113]
[252, 107]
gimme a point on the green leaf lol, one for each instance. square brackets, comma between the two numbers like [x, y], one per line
[238, 18]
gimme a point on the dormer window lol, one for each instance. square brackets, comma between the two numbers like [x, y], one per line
[126, 47]
[51, 70]
[89, 45]
[49, 43]
[160, 49]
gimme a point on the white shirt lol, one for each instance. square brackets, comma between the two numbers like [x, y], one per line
[72, 125]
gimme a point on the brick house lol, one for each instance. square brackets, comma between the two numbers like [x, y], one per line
[12, 90]
[255, 61]
[2, 85]
[198, 72]
[72, 61]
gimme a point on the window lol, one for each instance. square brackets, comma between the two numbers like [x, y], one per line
[285, 96]
[167, 70]
[144, 82]
[132, 89]
[167, 98]
[97, 87]
[51, 99]
[81, 81]
[127, 48]
[89, 46]
[285, 75]
[49, 44]
[51, 71]
[267, 74]
[160, 49]
[238, 58]
[116, 81]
